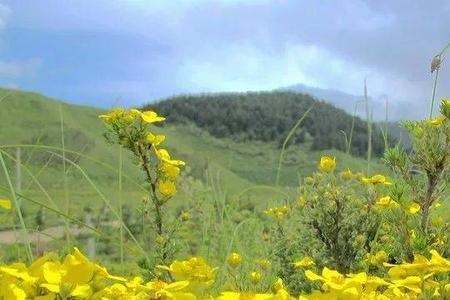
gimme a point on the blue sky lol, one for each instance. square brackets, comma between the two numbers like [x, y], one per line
[106, 52]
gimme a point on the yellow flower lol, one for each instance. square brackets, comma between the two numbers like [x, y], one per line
[411, 283]
[70, 278]
[155, 140]
[304, 262]
[379, 258]
[234, 259]
[11, 291]
[169, 291]
[414, 208]
[164, 156]
[437, 121]
[263, 263]
[437, 221]
[327, 163]
[167, 188]
[335, 280]
[386, 201]
[244, 296]
[278, 212]
[113, 115]
[376, 179]
[195, 270]
[278, 285]
[170, 171]
[6, 204]
[151, 117]
[301, 201]
[134, 113]
[346, 175]
[255, 277]
[437, 205]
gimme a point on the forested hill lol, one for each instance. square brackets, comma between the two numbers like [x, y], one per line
[269, 116]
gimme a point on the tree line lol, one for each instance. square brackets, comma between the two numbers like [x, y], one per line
[269, 116]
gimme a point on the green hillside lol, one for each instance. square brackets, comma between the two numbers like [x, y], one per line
[268, 117]
[34, 121]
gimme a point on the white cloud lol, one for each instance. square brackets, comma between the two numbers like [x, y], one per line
[10, 70]
[16, 69]
[5, 12]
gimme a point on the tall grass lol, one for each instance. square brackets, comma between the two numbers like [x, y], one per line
[25, 236]
[106, 202]
[120, 203]
[369, 127]
[286, 140]
[435, 67]
[65, 181]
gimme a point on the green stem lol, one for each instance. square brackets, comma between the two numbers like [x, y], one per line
[286, 140]
[66, 187]
[120, 203]
[18, 210]
[433, 94]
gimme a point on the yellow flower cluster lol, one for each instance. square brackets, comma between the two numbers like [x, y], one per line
[131, 126]
[405, 281]
[278, 212]
[76, 277]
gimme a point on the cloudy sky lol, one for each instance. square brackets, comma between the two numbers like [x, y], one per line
[107, 52]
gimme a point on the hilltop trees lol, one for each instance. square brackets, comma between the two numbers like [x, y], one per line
[268, 116]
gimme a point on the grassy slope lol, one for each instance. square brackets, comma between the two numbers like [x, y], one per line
[27, 117]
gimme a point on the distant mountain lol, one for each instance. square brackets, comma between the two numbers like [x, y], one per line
[342, 100]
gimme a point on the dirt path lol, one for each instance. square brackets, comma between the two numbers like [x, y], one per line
[10, 237]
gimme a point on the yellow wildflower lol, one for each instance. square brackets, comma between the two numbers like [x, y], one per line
[437, 121]
[235, 259]
[151, 117]
[327, 163]
[244, 296]
[376, 179]
[263, 263]
[301, 201]
[6, 204]
[304, 262]
[346, 175]
[379, 258]
[414, 208]
[167, 188]
[195, 270]
[114, 115]
[170, 171]
[155, 140]
[386, 201]
[170, 291]
[255, 277]
[164, 156]
[278, 285]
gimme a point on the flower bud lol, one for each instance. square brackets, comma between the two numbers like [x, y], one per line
[309, 180]
[255, 277]
[327, 163]
[445, 107]
[235, 259]
[346, 175]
